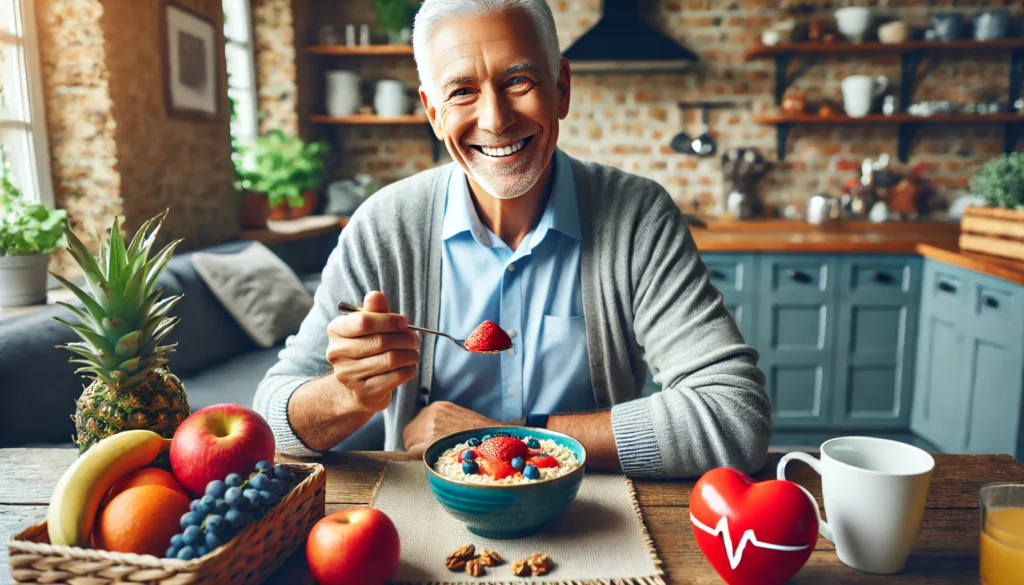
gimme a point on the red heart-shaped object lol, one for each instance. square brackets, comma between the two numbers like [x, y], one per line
[752, 533]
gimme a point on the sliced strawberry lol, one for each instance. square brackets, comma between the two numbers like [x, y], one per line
[496, 469]
[503, 449]
[488, 337]
[541, 462]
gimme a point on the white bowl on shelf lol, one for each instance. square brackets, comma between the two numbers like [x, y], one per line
[853, 22]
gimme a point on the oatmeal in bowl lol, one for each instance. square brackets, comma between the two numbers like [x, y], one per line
[505, 482]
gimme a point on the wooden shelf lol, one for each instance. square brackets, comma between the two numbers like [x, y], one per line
[361, 50]
[878, 119]
[875, 48]
[290, 230]
[366, 119]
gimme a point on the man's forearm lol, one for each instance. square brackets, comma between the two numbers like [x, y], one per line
[594, 431]
[320, 418]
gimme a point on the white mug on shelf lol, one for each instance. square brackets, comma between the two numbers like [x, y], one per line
[860, 91]
[342, 93]
[875, 492]
[390, 101]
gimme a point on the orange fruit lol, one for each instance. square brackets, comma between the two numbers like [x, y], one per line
[140, 520]
[146, 476]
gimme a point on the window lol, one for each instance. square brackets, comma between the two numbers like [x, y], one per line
[22, 121]
[238, 50]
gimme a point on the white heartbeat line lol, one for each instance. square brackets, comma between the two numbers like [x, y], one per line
[748, 536]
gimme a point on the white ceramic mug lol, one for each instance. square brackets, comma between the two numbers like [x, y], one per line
[390, 100]
[859, 91]
[874, 491]
[342, 93]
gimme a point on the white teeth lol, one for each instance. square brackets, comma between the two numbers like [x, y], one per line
[504, 151]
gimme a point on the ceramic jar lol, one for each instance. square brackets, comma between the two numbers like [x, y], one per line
[390, 100]
[342, 93]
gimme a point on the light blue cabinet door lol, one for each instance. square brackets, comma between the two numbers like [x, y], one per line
[795, 336]
[876, 340]
[994, 388]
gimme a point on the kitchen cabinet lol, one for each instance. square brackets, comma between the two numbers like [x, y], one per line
[734, 276]
[969, 388]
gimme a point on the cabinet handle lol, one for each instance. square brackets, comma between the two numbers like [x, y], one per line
[947, 287]
[881, 277]
[798, 276]
[716, 274]
[992, 302]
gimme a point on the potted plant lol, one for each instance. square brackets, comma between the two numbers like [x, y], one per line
[285, 172]
[998, 226]
[29, 231]
[395, 17]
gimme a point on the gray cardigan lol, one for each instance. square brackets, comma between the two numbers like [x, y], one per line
[646, 298]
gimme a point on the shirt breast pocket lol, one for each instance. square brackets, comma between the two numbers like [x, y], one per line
[563, 346]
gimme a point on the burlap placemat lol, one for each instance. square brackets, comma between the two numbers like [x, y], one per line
[599, 540]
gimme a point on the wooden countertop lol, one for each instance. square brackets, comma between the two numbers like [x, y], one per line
[930, 240]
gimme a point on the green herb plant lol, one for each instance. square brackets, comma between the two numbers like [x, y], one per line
[1000, 182]
[282, 167]
[394, 15]
[26, 227]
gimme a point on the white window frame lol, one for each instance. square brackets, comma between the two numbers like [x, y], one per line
[250, 51]
[32, 97]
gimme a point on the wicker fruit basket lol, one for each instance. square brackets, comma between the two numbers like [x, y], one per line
[248, 558]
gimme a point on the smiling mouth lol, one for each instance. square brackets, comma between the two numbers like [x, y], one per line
[505, 150]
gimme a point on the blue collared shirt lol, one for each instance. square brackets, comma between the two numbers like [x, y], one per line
[534, 293]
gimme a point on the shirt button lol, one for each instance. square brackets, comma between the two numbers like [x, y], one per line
[511, 332]
[511, 391]
[511, 267]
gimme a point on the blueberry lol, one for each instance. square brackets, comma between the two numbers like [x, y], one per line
[216, 488]
[485, 438]
[233, 496]
[191, 519]
[252, 498]
[202, 509]
[470, 467]
[260, 482]
[263, 466]
[212, 540]
[233, 480]
[193, 535]
[202, 551]
[474, 442]
[192, 505]
[176, 540]
[171, 552]
[235, 517]
[468, 455]
[533, 444]
[531, 472]
[187, 553]
[281, 472]
[214, 523]
[220, 507]
[278, 487]
[268, 498]
[518, 463]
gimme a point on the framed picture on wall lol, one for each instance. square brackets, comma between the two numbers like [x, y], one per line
[191, 45]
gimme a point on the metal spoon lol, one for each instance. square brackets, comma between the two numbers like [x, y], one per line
[347, 308]
[704, 145]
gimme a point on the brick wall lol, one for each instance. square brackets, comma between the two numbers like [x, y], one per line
[114, 150]
[274, 39]
[628, 120]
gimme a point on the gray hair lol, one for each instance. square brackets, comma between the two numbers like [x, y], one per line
[434, 12]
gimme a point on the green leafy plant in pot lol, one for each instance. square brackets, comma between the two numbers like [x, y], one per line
[286, 170]
[29, 231]
[395, 17]
[1000, 182]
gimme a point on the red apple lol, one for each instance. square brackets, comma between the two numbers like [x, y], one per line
[353, 547]
[216, 441]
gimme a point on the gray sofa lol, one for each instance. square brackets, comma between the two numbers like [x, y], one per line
[215, 359]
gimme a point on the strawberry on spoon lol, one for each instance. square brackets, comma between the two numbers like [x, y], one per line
[486, 338]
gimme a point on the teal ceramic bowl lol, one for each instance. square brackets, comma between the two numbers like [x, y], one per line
[505, 511]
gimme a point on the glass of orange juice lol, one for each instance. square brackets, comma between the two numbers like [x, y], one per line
[1002, 534]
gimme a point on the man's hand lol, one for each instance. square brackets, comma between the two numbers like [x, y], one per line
[437, 420]
[373, 353]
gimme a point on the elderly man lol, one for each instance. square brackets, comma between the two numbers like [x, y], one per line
[589, 269]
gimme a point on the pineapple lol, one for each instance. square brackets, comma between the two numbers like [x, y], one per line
[121, 323]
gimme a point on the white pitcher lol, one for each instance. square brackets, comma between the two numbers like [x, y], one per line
[390, 100]
[342, 93]
[859, 91]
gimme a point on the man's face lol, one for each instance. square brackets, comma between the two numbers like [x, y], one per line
[496, 105]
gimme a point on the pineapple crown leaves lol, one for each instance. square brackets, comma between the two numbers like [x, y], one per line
[123, 320]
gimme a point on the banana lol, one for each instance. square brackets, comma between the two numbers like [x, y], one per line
[81, 489]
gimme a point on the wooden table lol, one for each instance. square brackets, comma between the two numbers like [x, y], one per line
[946, 549]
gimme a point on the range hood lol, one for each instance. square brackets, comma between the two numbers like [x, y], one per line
[621, 42]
